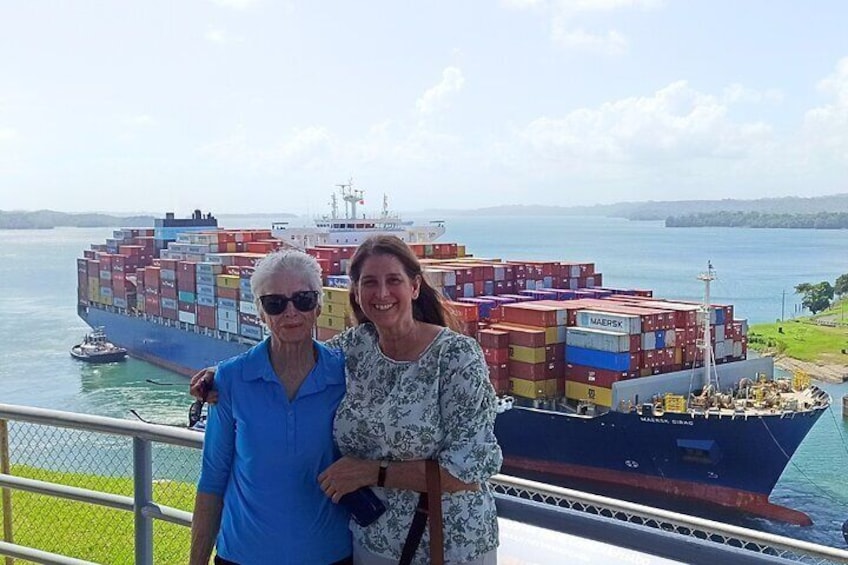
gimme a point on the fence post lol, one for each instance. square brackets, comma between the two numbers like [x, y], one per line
[143, 495]
[6, 494]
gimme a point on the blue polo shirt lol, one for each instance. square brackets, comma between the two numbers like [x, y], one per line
[263, 454]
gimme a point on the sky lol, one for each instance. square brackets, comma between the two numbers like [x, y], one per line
[240, 106]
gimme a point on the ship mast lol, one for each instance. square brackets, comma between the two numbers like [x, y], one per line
[334, 206]
[351, 197]
[706, 341]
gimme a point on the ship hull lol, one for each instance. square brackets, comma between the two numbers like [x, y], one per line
[730, 462]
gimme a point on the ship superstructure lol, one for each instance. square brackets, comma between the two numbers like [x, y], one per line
[353, 228]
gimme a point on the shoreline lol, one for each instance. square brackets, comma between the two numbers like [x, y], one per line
[824, 372]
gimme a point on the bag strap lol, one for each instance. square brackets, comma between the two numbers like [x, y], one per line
[429, 503]
[434, 505]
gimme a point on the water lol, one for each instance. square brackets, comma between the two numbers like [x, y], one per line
[38, 321]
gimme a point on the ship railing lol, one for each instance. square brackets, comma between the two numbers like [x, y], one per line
[64, 474]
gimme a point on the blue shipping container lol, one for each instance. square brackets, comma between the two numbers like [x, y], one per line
[600, 359]
[660, 338]
[186, 296]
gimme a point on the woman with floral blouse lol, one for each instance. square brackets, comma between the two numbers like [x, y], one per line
[416, 390]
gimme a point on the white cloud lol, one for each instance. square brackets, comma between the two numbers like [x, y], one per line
[736, 93]
[826, 127]
[836, 83]
[576, 6]
[308, 148]
[439, 96]
[609, 43]
[566, 15]
[7, 134]
[218, 35]
[675, 124]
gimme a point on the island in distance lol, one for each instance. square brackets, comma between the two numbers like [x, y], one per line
[726, 212]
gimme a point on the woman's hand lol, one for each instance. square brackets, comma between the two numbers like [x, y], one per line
[201, 385]
[347, 475]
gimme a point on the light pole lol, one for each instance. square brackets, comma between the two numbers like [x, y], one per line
[783, 306]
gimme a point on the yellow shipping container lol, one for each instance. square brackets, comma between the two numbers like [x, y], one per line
[675, 403]
[527, 354]
[337, 309]
[460, 250]
[227, 281]
[329, 322]
[554, 335]
[533, 389]
[678, 355]
[336, 295]
[579, 391]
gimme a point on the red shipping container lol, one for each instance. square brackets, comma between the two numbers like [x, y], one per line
[206, 316]
[496, 356]
[464, 312]
[151, 305]
[522, 335]
[498, 370]
[493, 338]
[530, 314]
[595, 376]
[535, 371]
[224, 292]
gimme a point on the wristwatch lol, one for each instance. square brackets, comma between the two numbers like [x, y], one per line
[381, 475]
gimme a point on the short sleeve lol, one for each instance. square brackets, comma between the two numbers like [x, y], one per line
[467, 401]
[341, 340]
[219, 438]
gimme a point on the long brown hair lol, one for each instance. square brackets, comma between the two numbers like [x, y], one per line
[429, 307]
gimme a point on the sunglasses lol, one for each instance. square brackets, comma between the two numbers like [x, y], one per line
[275, 304]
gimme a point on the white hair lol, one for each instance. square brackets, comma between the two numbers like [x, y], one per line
[287, 262]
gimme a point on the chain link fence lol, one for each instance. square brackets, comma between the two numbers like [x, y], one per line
[98, 462]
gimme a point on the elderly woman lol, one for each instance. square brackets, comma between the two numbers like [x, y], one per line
[416, 390]
[270, 435]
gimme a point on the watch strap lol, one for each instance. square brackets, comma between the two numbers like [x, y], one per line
[381, 474]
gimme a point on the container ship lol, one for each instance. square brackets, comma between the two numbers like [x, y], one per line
[607, 386]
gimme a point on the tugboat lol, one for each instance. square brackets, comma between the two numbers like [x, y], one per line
[95, 348]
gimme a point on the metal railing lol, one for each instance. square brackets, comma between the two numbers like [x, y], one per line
[63, 459]
[40, 458]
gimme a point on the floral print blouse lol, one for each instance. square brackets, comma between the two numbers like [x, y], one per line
[440, 406]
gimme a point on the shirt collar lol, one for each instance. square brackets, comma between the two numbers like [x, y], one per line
[328, 370]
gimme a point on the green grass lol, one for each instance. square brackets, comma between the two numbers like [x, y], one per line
[807, 338]
[91, 532]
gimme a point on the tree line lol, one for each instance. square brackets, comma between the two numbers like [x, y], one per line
[818, 221]
[819, 296]
[46, 219]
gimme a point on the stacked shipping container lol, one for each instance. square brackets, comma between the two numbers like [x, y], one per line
[547, 329]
